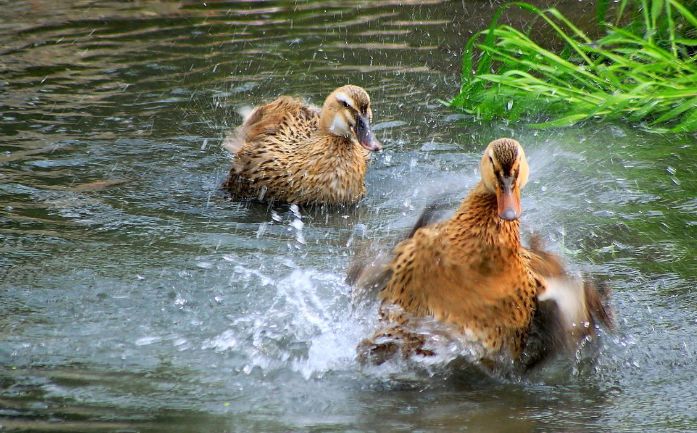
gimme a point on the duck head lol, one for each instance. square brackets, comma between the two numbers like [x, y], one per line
[346, 113]
[504, 171]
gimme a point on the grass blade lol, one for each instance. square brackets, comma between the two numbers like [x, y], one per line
[645, 72]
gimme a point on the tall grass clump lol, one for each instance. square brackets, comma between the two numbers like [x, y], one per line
[644, 71]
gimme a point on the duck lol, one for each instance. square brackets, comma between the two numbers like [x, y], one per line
[469, 279]
[293, 152]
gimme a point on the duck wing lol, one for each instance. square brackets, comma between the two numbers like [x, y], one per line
[580, 299]
[285, 121]
[369, 271]
[568, 307]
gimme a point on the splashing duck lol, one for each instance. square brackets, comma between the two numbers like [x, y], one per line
[471, 275]
[292, 152]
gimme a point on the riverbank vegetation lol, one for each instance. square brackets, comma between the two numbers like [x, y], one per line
[642, 69]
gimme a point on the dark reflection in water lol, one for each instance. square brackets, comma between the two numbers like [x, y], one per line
[134, 296]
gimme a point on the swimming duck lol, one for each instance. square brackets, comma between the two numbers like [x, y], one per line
[292, 152]
[471, 275]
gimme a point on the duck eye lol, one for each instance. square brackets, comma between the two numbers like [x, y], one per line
[345, 104]
[491, 160]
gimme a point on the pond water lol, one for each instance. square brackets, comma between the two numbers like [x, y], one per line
[135, 296]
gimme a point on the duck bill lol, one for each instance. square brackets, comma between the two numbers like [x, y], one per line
[365, 135]
[508, 199]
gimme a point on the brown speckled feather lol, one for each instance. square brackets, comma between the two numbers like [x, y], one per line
[281, 154]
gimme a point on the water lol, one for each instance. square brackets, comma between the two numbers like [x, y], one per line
[136, 297]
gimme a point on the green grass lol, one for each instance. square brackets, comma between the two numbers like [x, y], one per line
[644, 72]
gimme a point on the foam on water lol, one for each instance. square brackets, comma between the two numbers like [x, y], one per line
[306, 325]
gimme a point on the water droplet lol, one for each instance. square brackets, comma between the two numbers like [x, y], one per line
[261, 230]
[297, 224]
[145, 341]
[604, 213]
[222, 342]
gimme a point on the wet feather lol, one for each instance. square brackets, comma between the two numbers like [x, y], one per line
[471, 274]
[292, 152]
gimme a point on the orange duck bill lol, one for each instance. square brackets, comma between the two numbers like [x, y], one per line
[365, 135]
[508, 198]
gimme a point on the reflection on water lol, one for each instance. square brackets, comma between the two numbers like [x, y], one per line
[135, 296]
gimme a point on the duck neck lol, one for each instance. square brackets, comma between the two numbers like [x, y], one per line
[341, 144]
[333, 145]
[478, 213]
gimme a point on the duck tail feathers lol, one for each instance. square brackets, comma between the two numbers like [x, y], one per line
[245, 112]
[235, 139]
